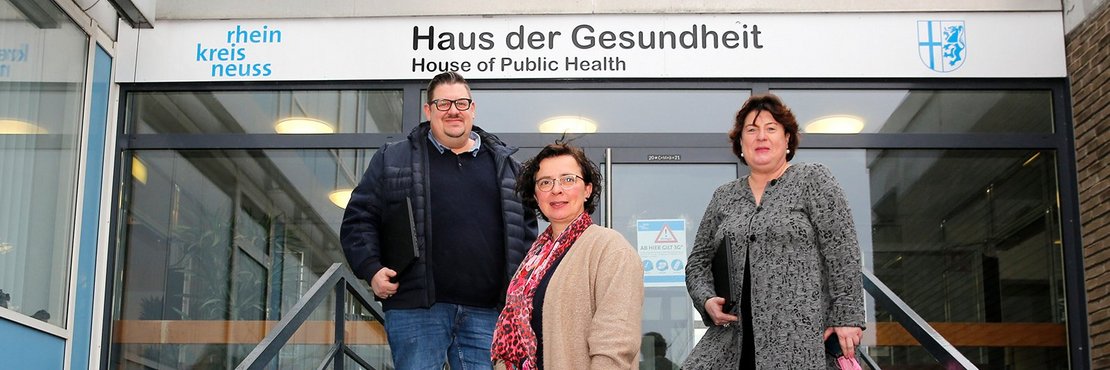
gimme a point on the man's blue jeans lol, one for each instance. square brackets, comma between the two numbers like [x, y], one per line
[423, 338]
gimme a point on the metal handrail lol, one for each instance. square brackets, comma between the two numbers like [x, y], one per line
[944, 352]
[340, 280]
[867, 360]
[336, 279]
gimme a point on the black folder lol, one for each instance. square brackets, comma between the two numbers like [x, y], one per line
[398, 237]
[722, 282]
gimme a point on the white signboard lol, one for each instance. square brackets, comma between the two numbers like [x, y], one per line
[919, 45]
[662, 248]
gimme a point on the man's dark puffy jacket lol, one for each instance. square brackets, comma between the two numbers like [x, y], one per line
[400, 169]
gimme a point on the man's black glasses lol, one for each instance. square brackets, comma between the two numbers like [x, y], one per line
[445, 104]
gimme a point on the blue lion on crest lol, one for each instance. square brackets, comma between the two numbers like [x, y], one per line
[953, 44]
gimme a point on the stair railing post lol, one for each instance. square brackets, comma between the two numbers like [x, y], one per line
[340, 323]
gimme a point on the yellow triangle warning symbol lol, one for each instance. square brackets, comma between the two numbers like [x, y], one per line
[666, 235]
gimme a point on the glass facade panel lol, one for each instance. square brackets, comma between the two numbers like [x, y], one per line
[309, 346]
[970, 240]
[265, 112]
[218, 243]
[606, 111]
[41, 90]
[365, 335]
[921, 111]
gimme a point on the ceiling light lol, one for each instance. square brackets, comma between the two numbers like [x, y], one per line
[837, 124]
[303, 125]
[138, 170]
[568, 124]
[17, 127]
[340, 197]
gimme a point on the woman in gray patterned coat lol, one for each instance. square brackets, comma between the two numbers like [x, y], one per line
[794, 256]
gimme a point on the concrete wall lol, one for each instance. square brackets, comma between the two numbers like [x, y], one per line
[1076, 11]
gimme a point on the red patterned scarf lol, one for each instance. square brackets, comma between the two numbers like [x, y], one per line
[513, 339]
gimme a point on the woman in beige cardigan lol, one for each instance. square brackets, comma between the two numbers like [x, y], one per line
[576, 300]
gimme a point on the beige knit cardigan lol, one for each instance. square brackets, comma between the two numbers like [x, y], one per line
[593, 305]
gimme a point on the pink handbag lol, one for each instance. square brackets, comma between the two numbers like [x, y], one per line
[847, 363]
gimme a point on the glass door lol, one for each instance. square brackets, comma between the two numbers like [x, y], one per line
[656, 197]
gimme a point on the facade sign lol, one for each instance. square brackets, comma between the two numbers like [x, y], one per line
[662, 248]
[598, 46]
[234, 55]
[942, 45]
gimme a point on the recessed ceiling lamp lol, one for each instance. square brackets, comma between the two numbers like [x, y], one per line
[303, 125]
[568, 124]
[836, 124]
[340, 197]
[17, 127]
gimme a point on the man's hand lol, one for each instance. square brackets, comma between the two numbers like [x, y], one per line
[383, 288]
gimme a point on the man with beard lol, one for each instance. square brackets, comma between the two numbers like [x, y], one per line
[471, 231]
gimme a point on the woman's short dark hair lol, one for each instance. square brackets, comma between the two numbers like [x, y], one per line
[782, 114]
[526, 181]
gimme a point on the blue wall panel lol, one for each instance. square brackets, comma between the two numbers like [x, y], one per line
[90, 215]
[24, 348]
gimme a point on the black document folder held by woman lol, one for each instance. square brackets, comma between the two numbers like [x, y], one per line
[722, 282]
[398, 237]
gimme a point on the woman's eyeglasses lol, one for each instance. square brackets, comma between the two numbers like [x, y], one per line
[565, 182]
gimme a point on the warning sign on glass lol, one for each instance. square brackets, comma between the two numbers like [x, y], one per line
[662, 247]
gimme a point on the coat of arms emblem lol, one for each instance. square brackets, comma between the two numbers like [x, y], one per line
[942, 45]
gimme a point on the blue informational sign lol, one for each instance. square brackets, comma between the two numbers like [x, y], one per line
[662, 248]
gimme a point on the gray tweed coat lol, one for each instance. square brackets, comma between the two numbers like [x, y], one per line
[805, 275]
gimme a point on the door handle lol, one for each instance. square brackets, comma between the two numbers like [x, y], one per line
[609, 187]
